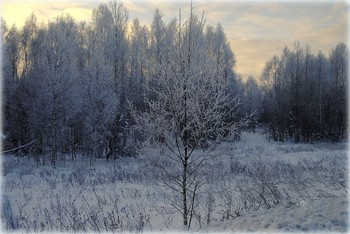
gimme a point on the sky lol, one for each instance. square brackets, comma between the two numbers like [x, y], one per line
[256, 30]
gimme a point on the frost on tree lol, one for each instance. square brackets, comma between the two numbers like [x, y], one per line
[192, 110]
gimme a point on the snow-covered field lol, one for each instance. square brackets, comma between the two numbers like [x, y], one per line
[327, 214]
[253, 185]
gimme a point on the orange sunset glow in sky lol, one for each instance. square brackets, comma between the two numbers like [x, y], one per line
[256, 30]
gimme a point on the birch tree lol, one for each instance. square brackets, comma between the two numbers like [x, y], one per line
[10, 66]
[322, 71]
[339, 75]
[138, 65]
[119, 48]
[189, 116]
[55, 88]
[252, 97]
[100, 86]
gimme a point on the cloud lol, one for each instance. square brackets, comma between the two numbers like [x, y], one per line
[17, 11]
[252, 54]
[256, 30]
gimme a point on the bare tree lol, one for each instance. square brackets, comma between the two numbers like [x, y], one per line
[55, 89]
[338, 73]
[190, 116]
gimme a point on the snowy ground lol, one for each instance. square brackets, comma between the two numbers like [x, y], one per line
[254, 185]
[327, 214]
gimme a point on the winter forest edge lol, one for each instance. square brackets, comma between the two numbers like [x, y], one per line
[112, 114]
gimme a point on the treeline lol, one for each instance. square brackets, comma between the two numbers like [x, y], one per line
[305, 95]
[67, 85]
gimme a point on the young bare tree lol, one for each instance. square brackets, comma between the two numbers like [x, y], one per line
[192, 113]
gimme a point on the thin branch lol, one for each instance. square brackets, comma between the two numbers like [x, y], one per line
[19, 147]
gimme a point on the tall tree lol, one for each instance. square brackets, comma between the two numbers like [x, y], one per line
[158, 50]
[339, 62]
[100, 95]
[120, 50]
[58, 82]
[252, 99]
[322, 80]
[138, 65]
[28, 35]
[273, 87]
[14, 121]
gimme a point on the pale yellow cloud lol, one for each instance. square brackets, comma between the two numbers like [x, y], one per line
[256, 30]
[258, 34]
[17, 11]
[252, 54]
[135, 7]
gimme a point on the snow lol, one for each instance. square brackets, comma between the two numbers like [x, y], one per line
[308, 215]
[253, 139]
[307, 182]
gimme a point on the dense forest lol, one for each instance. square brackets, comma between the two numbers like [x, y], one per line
[305, 94]
[74, 87]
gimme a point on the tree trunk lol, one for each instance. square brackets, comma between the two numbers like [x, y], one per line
[184, 192]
